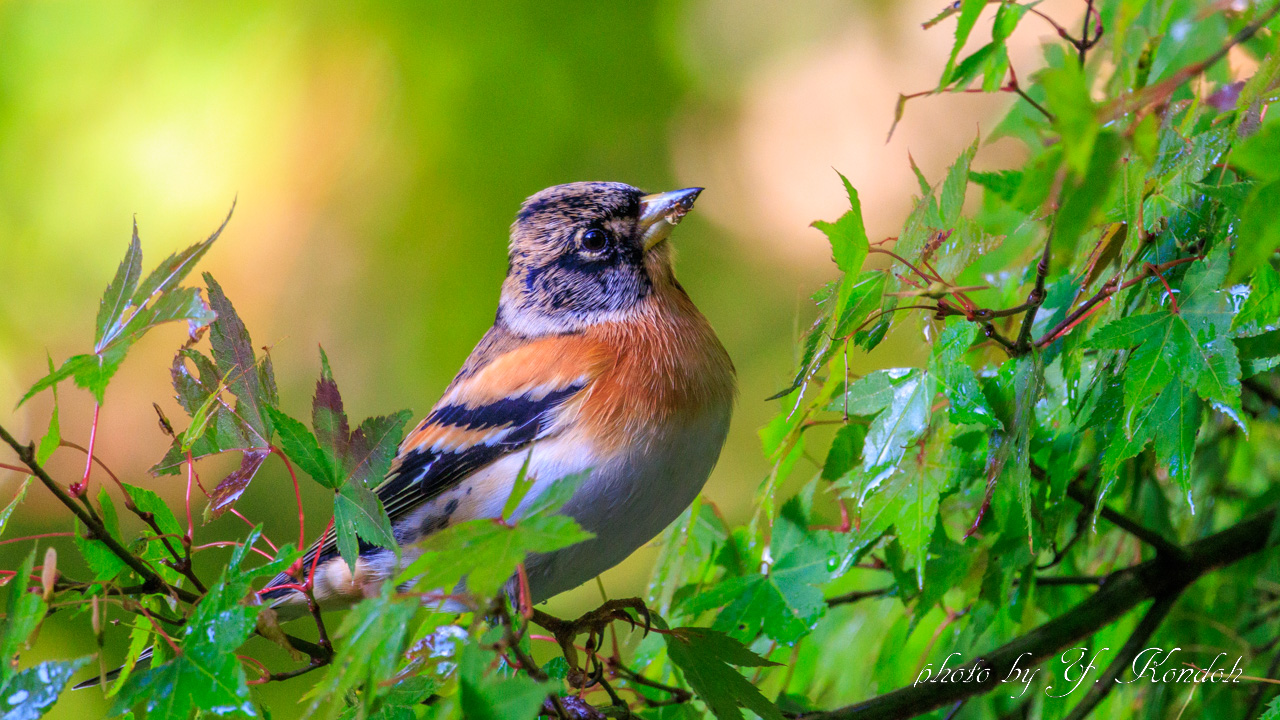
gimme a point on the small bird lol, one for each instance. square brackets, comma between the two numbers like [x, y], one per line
[597, 361]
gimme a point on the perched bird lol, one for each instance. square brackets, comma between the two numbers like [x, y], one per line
[597, 361]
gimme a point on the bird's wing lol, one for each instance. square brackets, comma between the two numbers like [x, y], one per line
[497, 405]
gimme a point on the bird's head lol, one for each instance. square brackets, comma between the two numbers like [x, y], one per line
[587, 252]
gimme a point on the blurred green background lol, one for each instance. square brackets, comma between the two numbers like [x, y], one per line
[379, 151]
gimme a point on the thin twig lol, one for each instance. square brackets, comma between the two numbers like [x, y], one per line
[152, 581]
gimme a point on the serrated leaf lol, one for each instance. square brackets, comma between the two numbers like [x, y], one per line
[1003, 184]
[238, 364]
[491, 696]
[206, 674]
[1259, 231]
[1260, 313]
[121, 288]
[333, 432]
[1083, 200]
[956, 379]
[357, 511]
[705, 658]
[300, 445]
[373, 447]
[486, 552]
[31, 693]
[13, 504]
[53, 436]
[1067, 97]
[900, 423]
[157, 300]
[371, 641]
[104, 563]
[969, 12]
[1193, 344]
[783, 602]
[847, 235]
[23, 613]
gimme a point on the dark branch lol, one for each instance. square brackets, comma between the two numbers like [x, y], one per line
[154, 583]
[1165, 576]
[1134, 645]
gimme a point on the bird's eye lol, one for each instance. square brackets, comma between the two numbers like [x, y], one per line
[594, 240]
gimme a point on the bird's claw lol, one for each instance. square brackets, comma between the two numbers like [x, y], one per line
[593, 624]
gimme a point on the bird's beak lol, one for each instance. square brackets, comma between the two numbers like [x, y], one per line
[661, 212]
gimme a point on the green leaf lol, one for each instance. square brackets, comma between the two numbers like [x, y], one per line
[486, 552]
[1003, 184]
[848, 236]
[956, 378]
[705, 658]
[519, 488]
[1193, 344]
[373, 447]
[148, 501]
[128, 312]
[206, 674]
[370, 643]
[896, 427]
[121, 289]
[358, 511]
[784, 602]
[867, 395]
[72, 365]
[23, 613]
[1260, 313]
[969, 12]
[1258, 354]
[858, 296]
[551, 497]
[1083, 200]
[302, 448]
[1067, 97]
[53, 437]
[490, 696]
[1259, 231]
[1017, 389]
[1172, 421]
[951, 196]
[13, 504]
[1257, 154]
[104, 563]
[31, 693]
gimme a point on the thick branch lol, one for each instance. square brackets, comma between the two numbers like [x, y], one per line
[1165, 576]
[1134, 645]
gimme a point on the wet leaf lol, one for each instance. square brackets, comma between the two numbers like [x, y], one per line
[705, 658]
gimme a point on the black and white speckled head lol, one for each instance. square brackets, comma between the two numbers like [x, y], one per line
[587, 252]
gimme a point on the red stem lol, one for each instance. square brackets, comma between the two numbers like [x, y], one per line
[98, 460]
[191, 471]
[82, 487]
[229, 543]
[297, 494]
[1173, 301]
[15, 468]
[37, 537]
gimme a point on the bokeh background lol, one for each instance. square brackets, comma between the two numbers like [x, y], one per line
[379, 151]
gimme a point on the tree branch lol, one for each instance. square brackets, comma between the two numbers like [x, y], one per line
[1165, 576]
[1134, 645]
[154, 583]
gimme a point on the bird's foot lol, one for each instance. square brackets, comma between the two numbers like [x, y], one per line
[593, 624]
